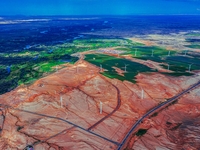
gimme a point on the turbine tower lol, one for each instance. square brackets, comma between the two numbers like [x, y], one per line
[168, 66]
[168, 53]
[125, 67]
[101, 107]
[189, 69]
[136, 52]
[185, 53]
[142, 94]
[100, 67]
[61, 101]
[152, 53]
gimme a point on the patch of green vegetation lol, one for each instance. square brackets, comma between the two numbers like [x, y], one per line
[156, 59]
[154, 114]
[133, 43]
[178, 74]
[186, 60]
[49, 66]
[123, 48]
[30, 64]
[195, 46]
[155, 51]
[109, 62]
[99, 43]
[19, 128]
[141, 132]
[178, 64]
[29, 71]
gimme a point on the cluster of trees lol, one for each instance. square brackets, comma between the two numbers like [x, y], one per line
[12, 76]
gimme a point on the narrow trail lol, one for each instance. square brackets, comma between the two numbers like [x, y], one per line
[116, 108]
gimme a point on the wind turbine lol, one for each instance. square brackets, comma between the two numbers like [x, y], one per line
[142, 94]
[101, 107]
[185, 52]
[100, 67]
[136, 52]
[190, 67]
[168, 53]
[61, 101]
[152, 53]
[125, 67]
[168, 66]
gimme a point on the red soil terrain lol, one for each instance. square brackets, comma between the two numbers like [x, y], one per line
[176, 127]
[61, 111]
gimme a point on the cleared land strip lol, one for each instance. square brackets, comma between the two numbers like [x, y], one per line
[153, 111]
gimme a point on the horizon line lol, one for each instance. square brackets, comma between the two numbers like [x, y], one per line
[51, 15]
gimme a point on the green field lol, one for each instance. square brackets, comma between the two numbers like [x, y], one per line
[195, 46]
[108, 62]
[140, 51]
[178, 64]
[29, 65]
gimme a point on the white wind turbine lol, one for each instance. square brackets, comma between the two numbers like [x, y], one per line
[168, 66]
[185, 53]
[125, 66]
[152, 53]
[61, 101]
[101, 68]
[142, 93]
[101, 107]
[189, 69]
[136, 52]
[168, 53]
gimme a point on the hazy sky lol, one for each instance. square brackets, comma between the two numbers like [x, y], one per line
[98, 7]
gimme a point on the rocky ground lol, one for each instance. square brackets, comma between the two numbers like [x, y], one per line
[60, 111]
[176, 127]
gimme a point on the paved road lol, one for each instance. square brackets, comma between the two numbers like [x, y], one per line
[57, 118]
[154, 110]
[110, 114]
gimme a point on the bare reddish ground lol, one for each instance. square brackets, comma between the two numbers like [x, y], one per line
[176, 127]
[119, 71]
[81, 88]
